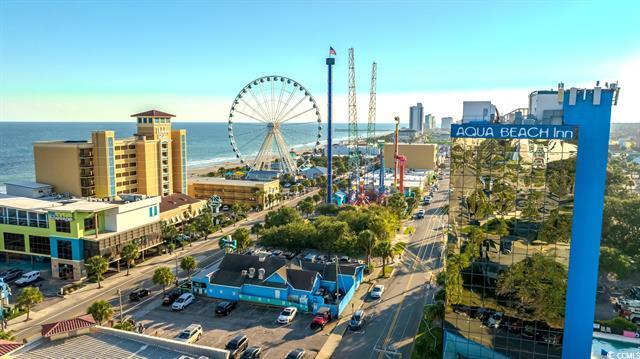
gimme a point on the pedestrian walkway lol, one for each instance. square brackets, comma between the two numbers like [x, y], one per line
[338, 331]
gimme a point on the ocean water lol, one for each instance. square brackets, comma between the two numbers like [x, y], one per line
[207, 142]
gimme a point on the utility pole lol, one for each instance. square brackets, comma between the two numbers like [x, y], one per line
[176, 268]
[330, 61]
[120, 300]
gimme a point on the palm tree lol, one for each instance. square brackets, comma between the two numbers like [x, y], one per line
[129, 254]
[386, 250]
[29, 297]
[306, 207]
[189, 229]
[188, 264]
[97, 266]
[101, 310]
[367, 241]
[164, 277]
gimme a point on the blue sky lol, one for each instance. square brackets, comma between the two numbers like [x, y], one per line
[74, 60]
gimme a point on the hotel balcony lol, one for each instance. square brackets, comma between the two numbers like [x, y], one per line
[86, 172]
[86, 163]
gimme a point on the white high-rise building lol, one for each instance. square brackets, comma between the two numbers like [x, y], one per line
[429, 121]
[416, 118]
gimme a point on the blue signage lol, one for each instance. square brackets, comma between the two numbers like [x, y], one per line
[542, 132]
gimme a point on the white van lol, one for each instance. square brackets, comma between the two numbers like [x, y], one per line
[28, 278]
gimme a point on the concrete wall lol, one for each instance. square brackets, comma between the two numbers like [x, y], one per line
[58, 164]
[133, 214]
[419, 156]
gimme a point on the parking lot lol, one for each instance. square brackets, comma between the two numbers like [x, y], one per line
[258, 323]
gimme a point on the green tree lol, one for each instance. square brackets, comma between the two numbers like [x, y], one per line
[293, 236]
[367, 242]
[306, 207]
[189, 230]
[539, 285]
[7, 335]
[556, 228]
[385, 250]
[613, 260]
[169, 232]
[127, 326]
[242, 238]
[29, 297]
[164, 277]
[281, 216]
[334, 236]
[96, 267]
[327, 209]
[129, 254]
[240, 209]
[188, 264]
[316, 198]
[453, 277]
[204, 224]
[101, 310]
[397, 204]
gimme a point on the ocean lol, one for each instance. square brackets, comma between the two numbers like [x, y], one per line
[207, 142]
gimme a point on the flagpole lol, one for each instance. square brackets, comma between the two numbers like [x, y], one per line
[330, 61]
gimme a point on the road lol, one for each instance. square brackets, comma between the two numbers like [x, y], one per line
[206, 253]
[393, 321]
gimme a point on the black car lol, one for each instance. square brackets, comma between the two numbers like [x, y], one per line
[237, 345]
[252, 353]
[10, 275]
[171, 296]
[224, 308]
[138, 293]
[296, 354]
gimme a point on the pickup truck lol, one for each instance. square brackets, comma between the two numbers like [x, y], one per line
[322, 317]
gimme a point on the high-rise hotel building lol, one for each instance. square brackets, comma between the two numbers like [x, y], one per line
[152, 162]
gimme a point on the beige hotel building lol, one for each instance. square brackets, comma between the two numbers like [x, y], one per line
[152, 162]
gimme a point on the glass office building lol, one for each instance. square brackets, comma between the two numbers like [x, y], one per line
[510, 216]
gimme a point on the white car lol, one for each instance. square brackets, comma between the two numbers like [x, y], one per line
[28, 278]
[183, 301]
[287, 315]
[376, 292]
[190, 334]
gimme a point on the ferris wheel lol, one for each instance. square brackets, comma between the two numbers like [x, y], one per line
[269, 113]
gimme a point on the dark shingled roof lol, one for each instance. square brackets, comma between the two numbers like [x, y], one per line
[328, 271]
[301, 279]
[68, 325]
[153, 113]
[229, 272]
[176, 200]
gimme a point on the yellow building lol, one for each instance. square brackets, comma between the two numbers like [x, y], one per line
[177, 208]
[253, 193]
[152, 162]
[420, 156]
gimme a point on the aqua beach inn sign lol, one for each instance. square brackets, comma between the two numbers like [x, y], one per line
[542, 132]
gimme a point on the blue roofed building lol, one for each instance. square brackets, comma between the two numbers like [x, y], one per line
[275, 281]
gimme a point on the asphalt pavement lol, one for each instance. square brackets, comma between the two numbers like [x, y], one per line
[393, 321]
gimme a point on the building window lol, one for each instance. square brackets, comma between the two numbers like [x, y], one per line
[64, 250]
[43, 221]
[14, 242]
[33, 219]
[22, 218]
[139, 120]
[12, 216]
[40, 245]
[89, 224]
[63, 226]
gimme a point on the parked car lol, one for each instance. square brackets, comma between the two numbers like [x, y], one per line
[190, 334]
[225, 207]
[506, 246]
[287, 315]
[171, 296]
[322, 317]
[10, 275]
[276, 253]
[224, 308]
[309, 258]
[635, 292]
[376, 292]
[138, 293]
[289, 255]
[296, 354]
[28, 278]
[322, 258]
[420, 214]
[183, 301]
[426, 201]
[493, 320]
[345, 259]
[357, 320]
[252, 353]
[237, 345]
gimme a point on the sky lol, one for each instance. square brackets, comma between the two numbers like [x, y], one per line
[104, 60]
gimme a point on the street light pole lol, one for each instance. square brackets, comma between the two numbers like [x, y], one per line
[120, 300]
[176, 269]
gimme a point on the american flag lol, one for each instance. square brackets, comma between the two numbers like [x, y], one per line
[331, 51]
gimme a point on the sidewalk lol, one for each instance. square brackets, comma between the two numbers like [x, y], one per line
[121, 281]
[336, 335]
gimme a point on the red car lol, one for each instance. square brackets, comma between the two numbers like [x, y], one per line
[323, 316]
